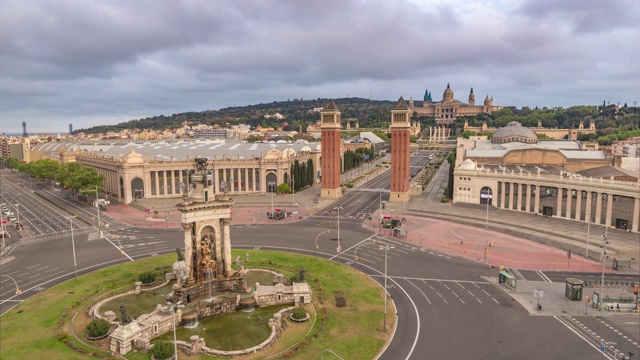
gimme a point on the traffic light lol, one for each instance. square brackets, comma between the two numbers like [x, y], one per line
[635, 289]
[587, 298]
[356, 258]
[501, 267]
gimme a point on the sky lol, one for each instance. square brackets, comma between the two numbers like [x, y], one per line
[90, 62]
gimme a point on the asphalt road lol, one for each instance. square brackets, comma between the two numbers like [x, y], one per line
[446, 309]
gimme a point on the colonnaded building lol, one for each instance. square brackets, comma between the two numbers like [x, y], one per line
[145, 169]
[566, 179]
[449, 108]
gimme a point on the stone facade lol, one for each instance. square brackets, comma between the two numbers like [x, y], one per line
[449, 108]
[129, 174]
[605, 201]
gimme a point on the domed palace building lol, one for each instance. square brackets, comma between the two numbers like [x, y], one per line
[558, 178]
[155, 169]
[449, 108]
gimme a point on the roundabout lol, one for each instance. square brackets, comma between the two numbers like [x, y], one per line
[354, 330]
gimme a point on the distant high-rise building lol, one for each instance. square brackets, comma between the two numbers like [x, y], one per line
[24, 129]
[70, 128]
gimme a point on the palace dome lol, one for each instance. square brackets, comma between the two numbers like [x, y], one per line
[514, 132]
[447, 96]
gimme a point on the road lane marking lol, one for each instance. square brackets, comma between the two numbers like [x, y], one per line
[496, 301]
[33, 266]
[421, 292]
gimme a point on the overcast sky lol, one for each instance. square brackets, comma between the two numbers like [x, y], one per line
[89, 62]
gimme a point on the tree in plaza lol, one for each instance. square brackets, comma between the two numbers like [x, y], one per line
[310, 172]
[284, 188]
[46, 169]
[13, 163]
[84, 179]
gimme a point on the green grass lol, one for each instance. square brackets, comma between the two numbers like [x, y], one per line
[234, 331]
[40, 326]
[262, 277]
[136, 305]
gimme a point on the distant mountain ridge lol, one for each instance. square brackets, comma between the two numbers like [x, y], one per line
[296, 113]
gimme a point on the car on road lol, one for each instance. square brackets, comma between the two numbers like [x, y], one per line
[5, 210]
[11, 217]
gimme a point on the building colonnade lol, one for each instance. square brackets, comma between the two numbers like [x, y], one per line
[604, 202]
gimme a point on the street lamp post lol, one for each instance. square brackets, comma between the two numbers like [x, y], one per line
[588, 231]
[386, 292]
[316, 247]
[97, 206]
[173, 320]
[339, 249]
[18, 291]
[604, 258]
[404, 204]
[18, 212]
[355, 253]
[2, 230]
[73, 246]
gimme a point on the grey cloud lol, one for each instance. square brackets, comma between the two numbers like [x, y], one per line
[585, 15]
[89, 59]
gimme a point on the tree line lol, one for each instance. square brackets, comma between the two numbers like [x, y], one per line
[78, 177]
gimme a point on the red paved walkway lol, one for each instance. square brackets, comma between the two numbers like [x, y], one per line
[455, 239]
[469, 242]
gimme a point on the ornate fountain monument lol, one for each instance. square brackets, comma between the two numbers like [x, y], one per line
[206, 285]
[205, 270]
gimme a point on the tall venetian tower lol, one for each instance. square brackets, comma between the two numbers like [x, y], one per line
[330, 155]
[400, 134]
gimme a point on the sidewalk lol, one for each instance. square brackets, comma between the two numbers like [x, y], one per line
[553, 301]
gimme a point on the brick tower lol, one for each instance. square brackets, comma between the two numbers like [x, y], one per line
[400, 152]
[330, 156]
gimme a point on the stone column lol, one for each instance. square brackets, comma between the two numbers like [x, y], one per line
[587, 206]
[173, 182]
[218, 245]
[636, 215]
[578, 205]
[559, 202]
[511, 188]
[609, 210]
[253, 179]
[164, 182]
[598, 219]
[527, 206]
[520, 195]
[569, 197]
[188, 249]
[157, 183]
[227, 247]
[536, 200]
[216, 181]
[503, 187]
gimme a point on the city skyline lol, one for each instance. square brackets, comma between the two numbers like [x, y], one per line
[95, 63]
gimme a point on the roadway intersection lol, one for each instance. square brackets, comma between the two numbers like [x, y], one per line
[446, 307]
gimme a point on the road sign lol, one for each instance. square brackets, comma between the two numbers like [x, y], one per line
[486, 196]
[602, 347]
[537, 293]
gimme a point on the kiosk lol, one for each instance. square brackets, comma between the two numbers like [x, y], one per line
[573, 289]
